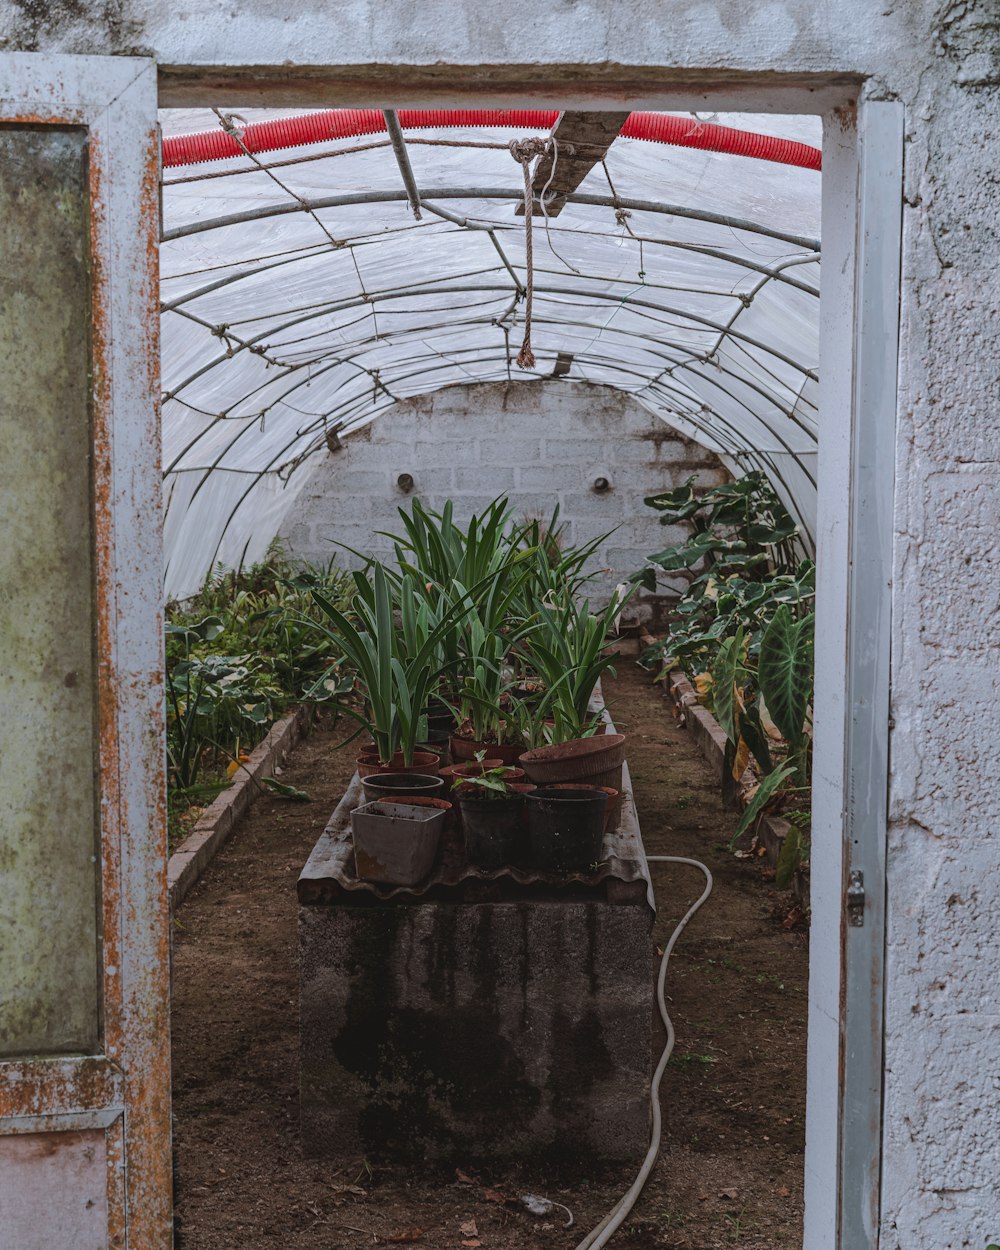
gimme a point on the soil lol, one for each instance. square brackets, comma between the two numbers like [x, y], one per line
[733, 1096]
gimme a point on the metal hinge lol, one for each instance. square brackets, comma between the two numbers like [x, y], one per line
[856, 899]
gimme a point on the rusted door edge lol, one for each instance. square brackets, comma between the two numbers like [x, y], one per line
[115, 99]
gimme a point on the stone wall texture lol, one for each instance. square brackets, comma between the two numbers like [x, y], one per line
[541, 443]
[941, 60]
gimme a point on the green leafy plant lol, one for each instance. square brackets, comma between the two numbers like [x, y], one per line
[491, 784]
[743, 633]
[395, 682]
[568, 650]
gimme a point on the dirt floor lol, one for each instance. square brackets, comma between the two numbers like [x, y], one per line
[733, 1097]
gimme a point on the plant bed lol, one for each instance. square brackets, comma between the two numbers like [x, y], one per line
[483, 1013]
[711, 739]
[217, 821]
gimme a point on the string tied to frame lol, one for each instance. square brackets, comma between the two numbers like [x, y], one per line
[524, 151]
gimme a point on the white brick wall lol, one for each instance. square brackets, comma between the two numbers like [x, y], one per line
[540, 442]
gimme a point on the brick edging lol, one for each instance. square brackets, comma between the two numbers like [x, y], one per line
[220, 818]
[711, 740]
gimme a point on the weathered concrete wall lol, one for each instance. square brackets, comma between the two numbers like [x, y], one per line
[542, 443]
[443, 1032]
[941, 58]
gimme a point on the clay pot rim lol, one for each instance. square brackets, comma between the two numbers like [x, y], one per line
[371, 757]
[415, 775]
[574, 749]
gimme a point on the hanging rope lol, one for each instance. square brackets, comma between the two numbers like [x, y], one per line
[524, 152]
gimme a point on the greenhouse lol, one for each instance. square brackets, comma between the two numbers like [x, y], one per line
[285, 329]
[496, 592]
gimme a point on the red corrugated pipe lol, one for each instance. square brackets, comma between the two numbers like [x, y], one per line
[293, 132]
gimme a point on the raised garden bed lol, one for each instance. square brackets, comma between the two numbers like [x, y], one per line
[217, 822]
[480, 1015]
[711, 740]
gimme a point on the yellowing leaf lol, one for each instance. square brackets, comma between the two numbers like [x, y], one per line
[741, 759]
[703, 683]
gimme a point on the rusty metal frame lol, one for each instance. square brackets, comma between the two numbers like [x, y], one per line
[124, 1090]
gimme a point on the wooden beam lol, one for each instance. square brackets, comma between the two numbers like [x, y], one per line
[582, 141]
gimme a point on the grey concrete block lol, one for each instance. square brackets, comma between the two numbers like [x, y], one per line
[590, 451]
[546, 477]
[456, 1032]
[482, 478]
[506, 450]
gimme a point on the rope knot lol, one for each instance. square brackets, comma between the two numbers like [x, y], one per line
[525, 150]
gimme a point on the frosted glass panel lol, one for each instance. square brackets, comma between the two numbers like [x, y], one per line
[49, 989]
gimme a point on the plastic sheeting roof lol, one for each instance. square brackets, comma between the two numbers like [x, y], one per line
[281, 330]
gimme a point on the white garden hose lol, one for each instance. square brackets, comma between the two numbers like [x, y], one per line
[602, 1234]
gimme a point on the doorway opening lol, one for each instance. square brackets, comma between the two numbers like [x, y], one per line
[733, 366]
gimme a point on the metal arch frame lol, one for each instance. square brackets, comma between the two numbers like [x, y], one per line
[541, 290]
[278, 463]
[505, 194]
[310, 253]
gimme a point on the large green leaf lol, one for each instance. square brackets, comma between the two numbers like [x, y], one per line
[789, 858]
[786, 671]
[726, 671]
[766, 791]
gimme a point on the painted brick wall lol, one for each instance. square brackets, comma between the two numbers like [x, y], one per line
[541, 442]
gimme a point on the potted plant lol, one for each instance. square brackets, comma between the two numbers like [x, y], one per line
[492, 808]
[395, 843]
[395, 665]
[568, 650]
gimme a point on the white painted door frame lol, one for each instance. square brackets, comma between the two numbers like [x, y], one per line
[860, 291]
[859, 312]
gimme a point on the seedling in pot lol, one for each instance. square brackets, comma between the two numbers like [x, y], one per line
[491, 784]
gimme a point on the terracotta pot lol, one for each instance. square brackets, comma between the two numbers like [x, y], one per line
[613, 815]
[480, 767]
[423, 761]
[465, 749]
[396, 843]
[595, 761]
[390, 787]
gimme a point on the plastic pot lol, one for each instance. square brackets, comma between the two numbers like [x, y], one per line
[613, 815]
[494, 828]
[565, 827]
[594, 761]
[369, 765]
[396, 843]
[438, 741]
[386, 787]
[466, 749]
